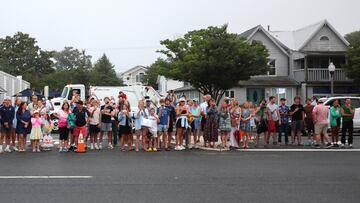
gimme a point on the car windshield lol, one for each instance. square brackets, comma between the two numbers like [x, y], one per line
[64, 92]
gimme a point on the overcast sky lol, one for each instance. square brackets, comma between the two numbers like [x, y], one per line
[129, 31]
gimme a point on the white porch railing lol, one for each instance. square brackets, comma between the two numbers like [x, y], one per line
[319, 74]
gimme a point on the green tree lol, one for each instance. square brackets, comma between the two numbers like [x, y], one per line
[151, 75]
[71, 58]
[353, 38]
[352, 67]
[212, 60]
[20, 55]
[103, 73]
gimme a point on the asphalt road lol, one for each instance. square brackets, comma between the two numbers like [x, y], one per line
[188, 176]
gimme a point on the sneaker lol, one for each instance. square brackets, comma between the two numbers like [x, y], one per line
[65, 149]
[7, 149]
[34, 150]
[177, 148]
[15, 149]
[182, 147]
[342, 146]
[154, 149]
[150, 149]
[110, 146]
[100, 145]
[60, 149]
[317, 146]
[92, 146]
[1, 150]
[96, 146]
[37, 150]
[350, 146]
[328, 145]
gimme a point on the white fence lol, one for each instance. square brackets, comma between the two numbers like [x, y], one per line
[12, 84]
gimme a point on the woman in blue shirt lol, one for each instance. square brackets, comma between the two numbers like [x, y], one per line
[23, 126]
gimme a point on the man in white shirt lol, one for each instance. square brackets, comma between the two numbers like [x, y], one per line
[273, 120]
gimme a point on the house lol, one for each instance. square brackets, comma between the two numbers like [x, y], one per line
[10, 85]
[165, 85]
[134, 76]
[298, 63]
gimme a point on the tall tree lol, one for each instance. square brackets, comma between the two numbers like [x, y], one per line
[104, 73]
[212, 60]
[71, 58]
[352, 67]
[151, 75]
[20, 55]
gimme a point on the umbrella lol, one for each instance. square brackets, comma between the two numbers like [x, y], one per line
[27, 93]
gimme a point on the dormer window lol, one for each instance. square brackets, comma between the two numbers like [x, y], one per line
[324, 38]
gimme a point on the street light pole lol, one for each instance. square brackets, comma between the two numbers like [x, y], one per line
[331, 69]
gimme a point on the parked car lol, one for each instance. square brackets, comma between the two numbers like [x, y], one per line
[355, 102]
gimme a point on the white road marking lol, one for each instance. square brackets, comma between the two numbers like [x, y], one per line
[299, 150]
[46, 177]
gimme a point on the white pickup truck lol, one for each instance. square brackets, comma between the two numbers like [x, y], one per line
[133, 93]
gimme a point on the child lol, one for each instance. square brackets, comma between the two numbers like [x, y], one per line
[153, 130]
[124, 128]
[46, 130]
[164, 116]
[246, 115]
[252, 121]
[36, 133]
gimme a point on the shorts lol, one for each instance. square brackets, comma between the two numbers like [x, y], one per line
[63, 133]
[124, 130]
[78, 129]
[297, 126]
[94, 129]
[272, 126]
[321, 129]
[5, 130]
[310, 126]
[162, 128]
[152, 134]
[106, 127]
[261, 127]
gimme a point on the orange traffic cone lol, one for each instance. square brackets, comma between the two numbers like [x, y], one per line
[81, 144]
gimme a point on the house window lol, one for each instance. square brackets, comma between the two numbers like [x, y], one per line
[230, 94]
[272, 67]
[324, 38]
[140, 77]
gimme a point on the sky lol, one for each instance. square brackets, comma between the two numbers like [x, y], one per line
[129, 31]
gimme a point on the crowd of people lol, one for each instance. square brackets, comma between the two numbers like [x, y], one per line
[189, 122]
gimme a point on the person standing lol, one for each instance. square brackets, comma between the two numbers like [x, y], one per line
[320, 117]
[81, 115]
[33, 105]
[261, 122]
[245, 125]
[62, 116]
[36, 133]
[212, 124]
[195, 111]
[181, 123]
[273, 120]
[94, 121]
[335, 122]
[284, 115]
[164, 116]
[7, 116]
[14, 135]
[297, 120]
[309, 124]
[347, 112]
[172, 116]
[204, 106]
[125, 133]
[139, 129]
[235, 113]
[23, 126]
[106, 124]
[224, 124]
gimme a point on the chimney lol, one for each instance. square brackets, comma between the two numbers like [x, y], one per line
[268, 28]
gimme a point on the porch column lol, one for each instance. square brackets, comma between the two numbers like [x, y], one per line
[304, 86]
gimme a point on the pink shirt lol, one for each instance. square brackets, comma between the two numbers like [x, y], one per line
[321, 114]
[62, 120]
[36, 122]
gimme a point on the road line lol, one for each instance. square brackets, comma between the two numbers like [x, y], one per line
[299, 150]
[46, 177]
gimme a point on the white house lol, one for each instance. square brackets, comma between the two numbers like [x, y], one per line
[134, 76]
[10, 85]
[299, 60]
[165, 84]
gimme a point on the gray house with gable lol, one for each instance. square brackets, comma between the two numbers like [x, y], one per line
[298, 62]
